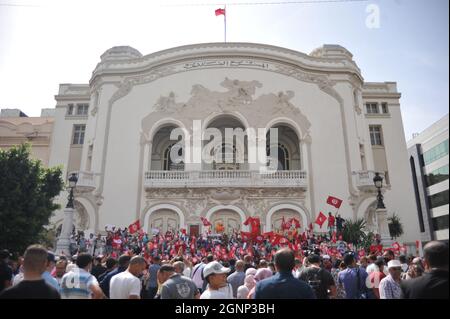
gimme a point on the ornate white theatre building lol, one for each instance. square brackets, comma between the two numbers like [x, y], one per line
[334, 131]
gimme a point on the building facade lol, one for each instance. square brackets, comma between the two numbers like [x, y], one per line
[428, 153]
[334, 131]
[17, 128]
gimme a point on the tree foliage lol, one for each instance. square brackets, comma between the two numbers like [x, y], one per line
[27, 190]
[354, 232]
[395, 226]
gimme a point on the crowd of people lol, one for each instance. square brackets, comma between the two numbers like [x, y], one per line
[124, 265]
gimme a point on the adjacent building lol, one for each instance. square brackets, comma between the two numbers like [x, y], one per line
[428, 153]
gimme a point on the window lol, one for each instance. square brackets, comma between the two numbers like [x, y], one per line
[384, 108]
[438, 199]
[70, 109]
[372, 108]
[82, 109]
[169, 165]
[440, 223]
[436, 153]
[283, 157]
[78, 134]
[375, 135]
[437, 176]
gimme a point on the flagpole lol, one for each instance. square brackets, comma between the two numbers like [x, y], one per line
[225, 22]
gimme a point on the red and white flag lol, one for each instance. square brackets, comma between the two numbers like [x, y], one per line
[321, 219]
[295, 222]
[361, 253]
[396, 246]
[134, 227]
[220, 11]
[333, 237]
[205, 221]
[245, 236]
[334, 201]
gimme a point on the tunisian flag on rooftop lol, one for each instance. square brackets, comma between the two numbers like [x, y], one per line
[220, 11]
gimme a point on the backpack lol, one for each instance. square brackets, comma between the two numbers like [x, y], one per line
[314, 280]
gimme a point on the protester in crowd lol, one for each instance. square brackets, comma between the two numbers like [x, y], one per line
[353, 278]
[232, 263]
[318, 278]
[261, 274]
[123, 262]
[216, 277]
[390, 285]
[271, 266]
[51, 262]
[152, 285]
[244, 290]
[6, 273]
[327, 264]
[404, 263]
[372, 265]
[33, 286]
[415, 269]
[111, 264]
[363, 262]
[237, 278]
[61, 266]
[126, 284]
[374, 279]
[98, 269]
[283, 285]
[248, 260]
[331, 223]
[433, 284]
[339, 224]
[176, 286]
[209, 259]
[79, 283]
[297, 268]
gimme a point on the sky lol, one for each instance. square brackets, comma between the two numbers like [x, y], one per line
[47, 42]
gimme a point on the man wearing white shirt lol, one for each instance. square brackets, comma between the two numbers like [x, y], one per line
[127, 285]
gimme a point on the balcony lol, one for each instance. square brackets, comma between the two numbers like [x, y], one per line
[86, 181]
[364, 180]
[224, 178]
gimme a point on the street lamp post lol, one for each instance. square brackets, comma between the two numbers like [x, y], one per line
[63, 244]
[378, 181]
[381, 212]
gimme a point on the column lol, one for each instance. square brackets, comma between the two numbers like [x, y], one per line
[63, 244]
[383, 227]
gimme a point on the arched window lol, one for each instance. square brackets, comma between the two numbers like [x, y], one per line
[283, 157]
[228, 159]
[169, 165]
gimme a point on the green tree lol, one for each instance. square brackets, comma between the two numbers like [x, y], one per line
[395, 226]
[354, 232]
[27, 190]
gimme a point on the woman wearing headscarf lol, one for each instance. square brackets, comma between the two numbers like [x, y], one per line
[261, 274]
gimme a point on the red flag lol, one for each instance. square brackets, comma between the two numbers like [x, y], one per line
[205, 221]
[310, 226]
[268, 235]
[255, 225]
[396, 246]
[333, 237]
[321, 219]
[296, 222]
[259, 239]
[279, 240]
[361, 253]
[134, 227]
[220, 12]
[183, 231]
[333, 201]
[245, 236]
